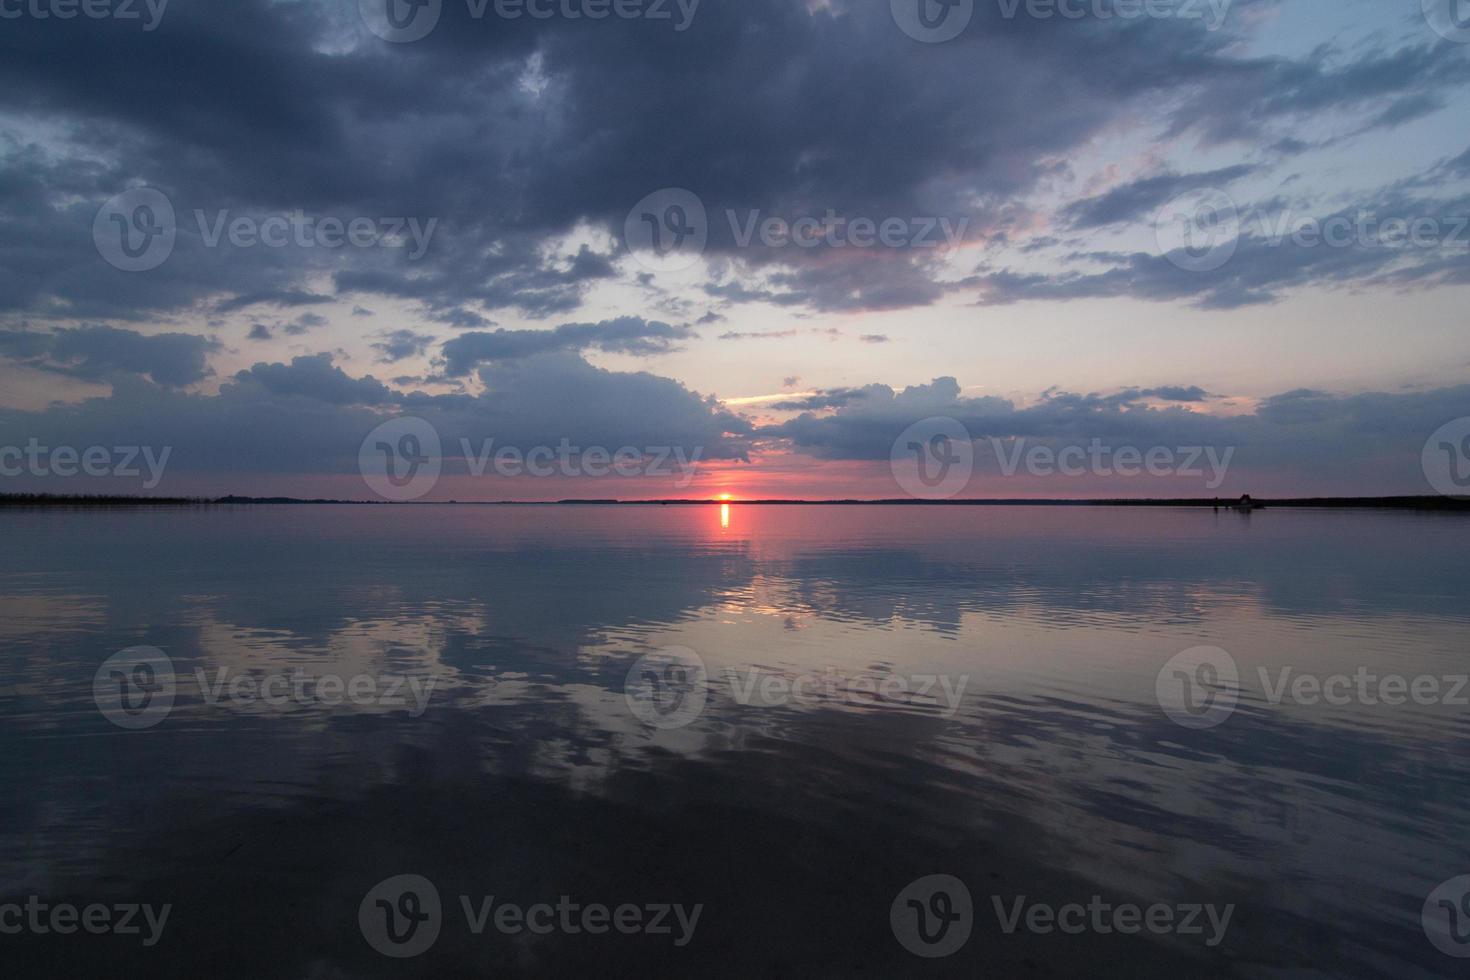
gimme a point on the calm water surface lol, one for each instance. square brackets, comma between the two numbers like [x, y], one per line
[794, 821]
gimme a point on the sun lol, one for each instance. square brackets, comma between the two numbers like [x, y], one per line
[725, 496]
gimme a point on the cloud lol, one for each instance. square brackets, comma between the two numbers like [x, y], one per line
[95, 353]
[272, 297]
[757, 334]
[1269, 258]
[310, 417]
[833, 398]
[400, 345]
[625, 335]
[1370, 441]
[528, 207]
[315, 377]
[304, 323]
[1140, 199]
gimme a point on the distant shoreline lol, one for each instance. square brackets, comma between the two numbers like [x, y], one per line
[1420, 503]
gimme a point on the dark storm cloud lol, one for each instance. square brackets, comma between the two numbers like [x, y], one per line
[625, 335]
[96, 353]
[512, 133]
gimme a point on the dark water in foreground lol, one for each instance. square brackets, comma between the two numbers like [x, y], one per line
[977, 696]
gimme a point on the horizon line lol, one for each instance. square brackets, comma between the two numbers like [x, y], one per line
[1418, 502]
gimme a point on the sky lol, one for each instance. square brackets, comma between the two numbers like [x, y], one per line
[547, 249]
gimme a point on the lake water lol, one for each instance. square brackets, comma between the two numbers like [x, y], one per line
[781, 720]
